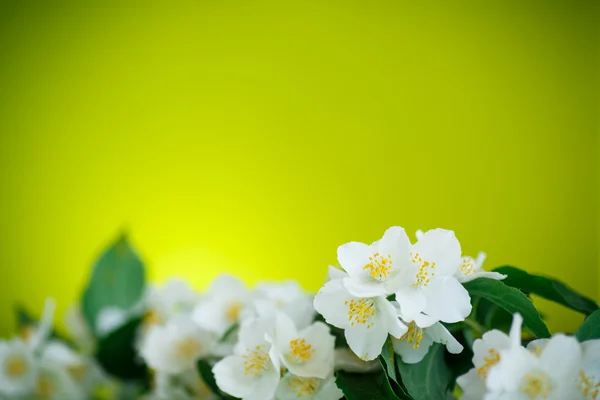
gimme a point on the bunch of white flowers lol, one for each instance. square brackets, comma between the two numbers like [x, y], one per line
[402, 289]
[558, 368]
[42, 367]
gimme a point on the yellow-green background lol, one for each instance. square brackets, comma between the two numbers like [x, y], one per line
[255, 137]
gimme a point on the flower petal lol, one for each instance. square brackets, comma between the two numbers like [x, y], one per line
[364, 287]
[336, 273]
[472, 385]
[367, 342]
[389, 314]
[561, 357]
[410, 354]
[482, 274]
[329, 302]
[353, 257]
[440, 334]
[230, 377]
[411, 301]
[447, 300]
[441, 247]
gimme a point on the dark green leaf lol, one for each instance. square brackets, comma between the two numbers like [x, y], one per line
[207, 375]
[117, 280]
[117, 354]
[373, 386]
[590, 329]
[510, 299]
[429, 379]
[548, 288]
[388, 359]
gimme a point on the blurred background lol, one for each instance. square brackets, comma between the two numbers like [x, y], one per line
[254, 137]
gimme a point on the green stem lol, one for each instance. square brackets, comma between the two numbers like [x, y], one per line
[476, 326]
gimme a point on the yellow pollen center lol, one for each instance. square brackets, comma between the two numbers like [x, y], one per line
[379, 267]
[188, 346]
[413, 336]
[492, 359]
[536, 385]
[304, 387]
[15, 367]
[589, 387]
[255, 362]
[151, 318]
[300, 351]
[467, 267]
[45, 387]
[360, 311]
[232, 313]
[77, 371]
[425, 270]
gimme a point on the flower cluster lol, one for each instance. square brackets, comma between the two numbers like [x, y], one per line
[402, 289]
[558, 368]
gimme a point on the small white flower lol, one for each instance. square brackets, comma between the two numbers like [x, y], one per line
[366, 320]
[537, 346]
[471, 268]
[54, 383]
[253, 371]
[292, 387]
[176, 346]
[431, 288]
[186, 386]
[335, 273]
[308, 353]
[346, 360]
[588, 378]
[226, 303]
[377, 269]
[415, 343]
[287, 297]
[521, 374]
[17, 368]
[486, 354]
[173, 298]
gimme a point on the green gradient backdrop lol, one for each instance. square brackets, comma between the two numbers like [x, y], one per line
[255, 137]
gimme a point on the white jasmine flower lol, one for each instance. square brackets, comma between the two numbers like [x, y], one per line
[38, 336]
[588, 377]
[415, 343]
[110, 319]
[79, 330]
[226, 303]
[335, 273]
[486, 354]
[377, 269]
[294, 387]
[308, 353]
[287, 297]
[253, 371]
[366, 320]
[470, 269]
[176, 346]
[54, 383]
[431, 287]
[17, 368]
[186, 386]
[521, 374]
[173, 298]
[346, 360]
[537, 346]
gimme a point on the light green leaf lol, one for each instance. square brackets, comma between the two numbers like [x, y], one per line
[590, 329]
[117, 280]
[428, 379]
[548, 288]
[510, 299]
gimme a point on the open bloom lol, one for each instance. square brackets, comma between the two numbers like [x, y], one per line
[415, 343]
[287, 297]
[173, 298]
[470, 268]
[176, 346]
[252, 372]
[366, 320]
[588, 377]
[292, 387]
[17, 368]
[54, 383]
[226, 303]
[431, 289]
[486, 354]
[308, 353]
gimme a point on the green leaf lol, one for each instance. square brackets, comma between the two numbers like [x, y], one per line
[26, 323]
[548, 288]
[590, 329]
[510, 299]
[117, 280]
[117, 354]
[388, 359]
[207, 375]
[229, 332]
[373, 386]
[429, 379]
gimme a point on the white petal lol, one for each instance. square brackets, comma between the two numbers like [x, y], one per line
[329, 391]
[336, 273]
[482, 274]
[481, 256]
[410, 354]
[44, 328]
[419, 234]
[515, 330]
[441, 247]
[363, 287]
[230, 377]
[210, 315]
[367, 343]
[447, 300]
[472, 385]
[346, 360]
[411, 301]
[395, 243]
[227, 286]
[390, 316]
[561, 357]
[440, 334]
[285, 331]
[265, 386]
[329, 302]
[507, 374]
[353, 257]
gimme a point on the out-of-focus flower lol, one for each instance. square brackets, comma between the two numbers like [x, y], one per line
[17, 368]
[79, 330]
[292, 387]
[346, 360]
[287, 297]
[173, 298]
[54, 383]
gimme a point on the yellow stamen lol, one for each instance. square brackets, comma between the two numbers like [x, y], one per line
[360, 311]
[300, 351]
[413, 336]
[492, 359]
[589, 387]
[255, 362]
[425, 270]
[45, 387]
[304, 387]
[467, 266]
[188, 346]
[232, 313]
[536, 385]
[379, 266]
[16, 367]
